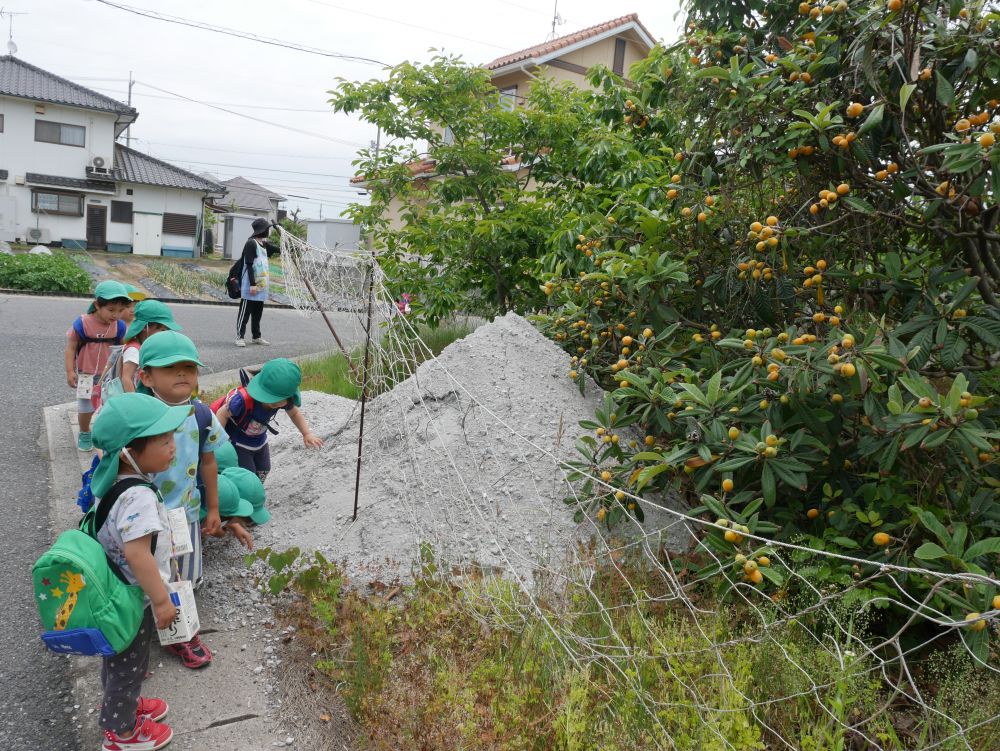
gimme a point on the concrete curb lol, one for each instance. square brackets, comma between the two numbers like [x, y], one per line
[228, 706]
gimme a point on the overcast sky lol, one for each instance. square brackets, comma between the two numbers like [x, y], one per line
[97, 46]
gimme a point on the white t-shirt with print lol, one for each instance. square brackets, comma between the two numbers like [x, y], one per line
[137, 512]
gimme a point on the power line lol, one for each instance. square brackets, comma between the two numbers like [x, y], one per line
[405, 23]
[239, 151]
[327, 110]
[238, 34]
[251, 117]
[257, 169]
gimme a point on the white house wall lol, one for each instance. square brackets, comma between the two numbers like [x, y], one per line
[20, 153]
[153, 200]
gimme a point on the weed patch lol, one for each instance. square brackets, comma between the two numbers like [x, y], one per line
[468, 663]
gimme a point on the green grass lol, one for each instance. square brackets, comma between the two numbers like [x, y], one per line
[331, 374]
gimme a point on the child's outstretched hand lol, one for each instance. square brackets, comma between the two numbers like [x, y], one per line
[312, 441]
[241, 533]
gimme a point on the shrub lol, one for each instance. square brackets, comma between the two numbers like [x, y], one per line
[783, 273]
[39, 273]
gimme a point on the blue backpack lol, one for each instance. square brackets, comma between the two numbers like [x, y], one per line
[202, 413]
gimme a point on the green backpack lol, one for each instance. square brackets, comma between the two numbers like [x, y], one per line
[86, 604]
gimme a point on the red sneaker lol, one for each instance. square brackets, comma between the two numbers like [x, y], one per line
[154, 709]
[192, 653]
[148, 736]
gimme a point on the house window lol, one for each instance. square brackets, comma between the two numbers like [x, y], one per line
[51, 202]
[180, 224]
[61, 133]
[618, 66]
[1, 122]
[121, 211]
[508, 98]
[449, 136]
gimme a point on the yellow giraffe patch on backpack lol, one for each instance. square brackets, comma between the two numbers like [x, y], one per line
[73, 583]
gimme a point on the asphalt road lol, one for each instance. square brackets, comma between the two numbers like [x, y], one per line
[36, 709]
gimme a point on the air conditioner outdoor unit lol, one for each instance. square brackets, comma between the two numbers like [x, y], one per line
[99, 167]
[38, 235]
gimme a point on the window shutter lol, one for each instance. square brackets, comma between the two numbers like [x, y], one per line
[180, 224]
[121, 211]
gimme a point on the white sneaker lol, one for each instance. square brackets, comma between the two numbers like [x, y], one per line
[241, 342]
[260, 340]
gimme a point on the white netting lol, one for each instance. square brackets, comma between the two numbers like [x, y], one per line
[474, 453]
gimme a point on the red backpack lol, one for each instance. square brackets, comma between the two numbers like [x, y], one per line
[242, 422]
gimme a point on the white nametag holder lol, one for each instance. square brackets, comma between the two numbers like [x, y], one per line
[180, 531]
[84, 385]
[186, 623]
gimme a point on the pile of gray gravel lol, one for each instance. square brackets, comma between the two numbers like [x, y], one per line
[464, 455]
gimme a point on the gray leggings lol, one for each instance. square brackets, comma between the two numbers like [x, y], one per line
[122, 677]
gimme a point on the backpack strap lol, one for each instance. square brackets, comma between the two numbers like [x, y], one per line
[99, 516]
[122, 328]
[203, 415]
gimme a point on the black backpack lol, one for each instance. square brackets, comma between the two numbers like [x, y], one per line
[234, 279]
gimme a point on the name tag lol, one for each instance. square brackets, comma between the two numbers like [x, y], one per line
[180, 531]
[84, 385]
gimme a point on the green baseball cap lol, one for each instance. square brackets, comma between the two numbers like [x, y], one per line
[109, 289]
[277, 381]
[251, 489]
[230, 503]
[225, 456]
[120, 421]
[150, 311]
[167, 348]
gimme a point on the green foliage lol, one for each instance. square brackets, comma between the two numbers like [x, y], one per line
[55, 273]
[475, 664]
[294, 226]
[747, 252]
[469, 228]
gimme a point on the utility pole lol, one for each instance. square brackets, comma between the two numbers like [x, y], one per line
[128, 130]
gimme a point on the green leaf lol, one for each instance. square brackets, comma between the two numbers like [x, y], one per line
[945, 92]
[713, 387]
[905, 92]
[873, 120]
[930, 551]
[767, 485]
[989, 546]
[648, 474]
[935, 439]
[858, 204]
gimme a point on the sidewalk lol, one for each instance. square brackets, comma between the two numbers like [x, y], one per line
[235, 704]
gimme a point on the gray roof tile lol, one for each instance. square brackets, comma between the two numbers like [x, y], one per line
[21, 79]
[132, 166]
[249, 195]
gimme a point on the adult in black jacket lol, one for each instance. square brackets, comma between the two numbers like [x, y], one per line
[255, 282]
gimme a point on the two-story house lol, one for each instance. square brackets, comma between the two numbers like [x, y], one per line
[65, 181]
[618, 44]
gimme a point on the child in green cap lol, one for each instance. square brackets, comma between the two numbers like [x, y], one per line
[168, 369]
[234, 510]
[136, 434]
[247, 412]
[150, 317]
[88, 346]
